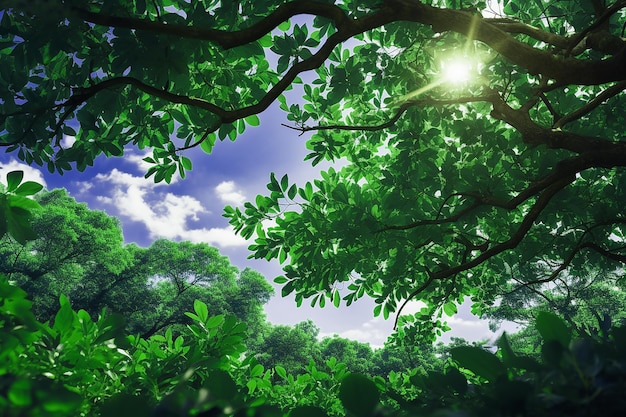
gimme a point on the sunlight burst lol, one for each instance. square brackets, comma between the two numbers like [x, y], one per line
[457, 70]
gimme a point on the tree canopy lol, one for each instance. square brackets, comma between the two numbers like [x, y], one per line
[446, 180]
[80, 253]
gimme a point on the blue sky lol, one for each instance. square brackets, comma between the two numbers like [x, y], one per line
[191, 209]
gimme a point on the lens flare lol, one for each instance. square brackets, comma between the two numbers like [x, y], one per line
[457, 70]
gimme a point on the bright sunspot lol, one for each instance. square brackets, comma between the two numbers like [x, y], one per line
[457, 70]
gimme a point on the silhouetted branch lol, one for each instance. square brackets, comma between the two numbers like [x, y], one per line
[597, 100]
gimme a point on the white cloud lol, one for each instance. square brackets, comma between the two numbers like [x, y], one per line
[164, 214]
[224, 237]
[228, 193]
[472, 329]
[30, 173]
[68, 141]
[374, 331]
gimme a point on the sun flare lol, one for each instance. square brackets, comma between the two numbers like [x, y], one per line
[457, 70]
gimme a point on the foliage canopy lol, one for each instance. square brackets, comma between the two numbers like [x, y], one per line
[444, 188]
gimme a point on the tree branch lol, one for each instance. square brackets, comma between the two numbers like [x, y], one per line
[536, 61]
[565, 170]
[610, 11]
[401, 110]
[579, 246]
[508, 244]
[614, 90]
[606, 253]
[225, 38]
[515, 27]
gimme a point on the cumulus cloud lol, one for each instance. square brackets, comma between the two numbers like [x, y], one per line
[375, 332]
[30, 173]
[164, 214]
[228, 193]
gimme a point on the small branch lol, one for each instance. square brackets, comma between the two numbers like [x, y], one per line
[566, 169]
[206, 134]
[579, 246]
[607, 254]
[517, 237]
[515, 27]
[88, 92]
[411, 296]
[401, 110]
[597, 100]
[610, 11]
[549, 105]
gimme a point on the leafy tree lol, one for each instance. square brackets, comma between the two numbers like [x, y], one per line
[584, 302]
[292, 348]
[80, 253]
[357, 356]
[180, 272]
[446, 182]
[74, 245]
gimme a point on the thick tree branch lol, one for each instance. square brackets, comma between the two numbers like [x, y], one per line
[225, 38]
[566, 169]
[534, 134]
[344, 33]
[536, 61]
[580, 245]
[517, 237]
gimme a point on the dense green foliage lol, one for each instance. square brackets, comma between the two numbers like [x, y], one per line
[80, 253]
[81, 366]
[506, 188]
[446, 184]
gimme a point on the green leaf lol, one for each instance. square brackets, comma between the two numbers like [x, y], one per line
[281, 371]
[59, 399]
[14, 178]
[359, 395]
[293, 191]
[479, 361]
[280, 280]
[214, 321]
[221, 385]
[253, 120]
[284, 183]
[186, 163]
[287, 289]
[28, 188]
[450, 308]
[256, 371]
[552, 327]
[201, 310]
[17, 219]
